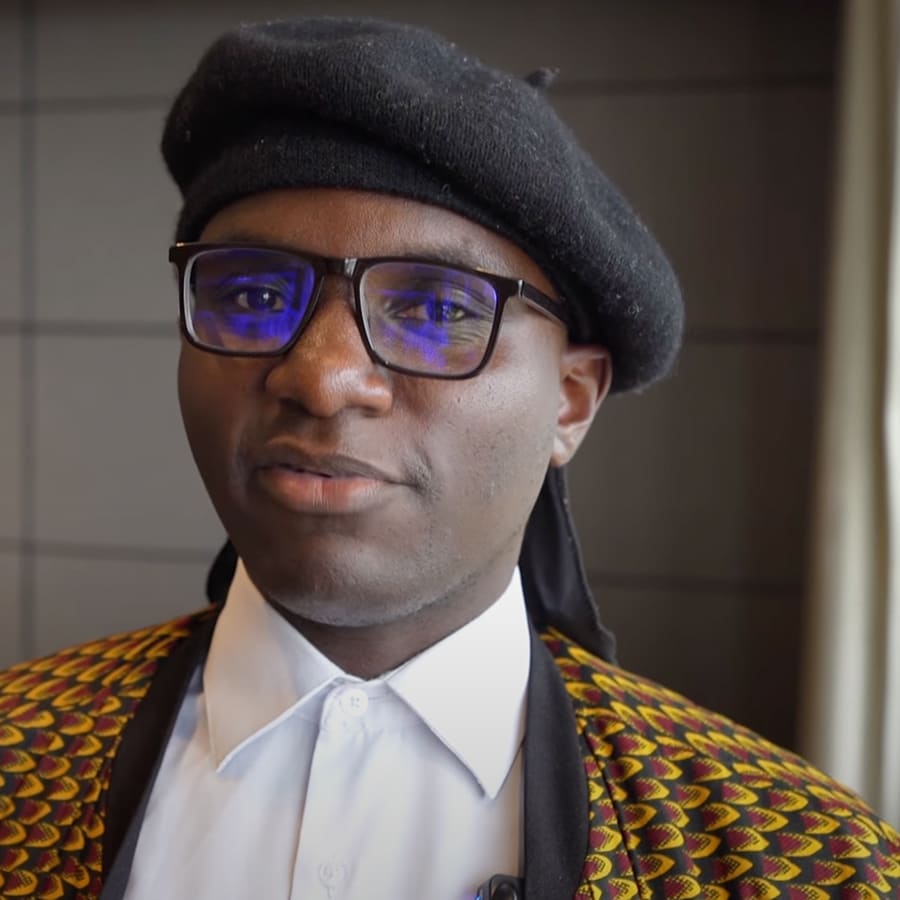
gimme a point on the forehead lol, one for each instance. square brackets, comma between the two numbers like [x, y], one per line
[349, 223]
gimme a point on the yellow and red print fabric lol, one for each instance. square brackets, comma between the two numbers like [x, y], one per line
[685, 804]
[682, 803]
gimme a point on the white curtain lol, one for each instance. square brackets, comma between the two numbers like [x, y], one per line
[851, 691]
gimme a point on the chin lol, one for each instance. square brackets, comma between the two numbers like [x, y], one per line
[344, 615]
[338, 599]
[344, 612]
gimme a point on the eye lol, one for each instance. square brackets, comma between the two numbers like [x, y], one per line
[435, 304]
[259, 299]
[428, 308]
[247, 293]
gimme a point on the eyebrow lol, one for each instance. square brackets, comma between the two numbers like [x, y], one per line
[466, 257]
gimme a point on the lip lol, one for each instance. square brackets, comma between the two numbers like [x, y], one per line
[321, 483]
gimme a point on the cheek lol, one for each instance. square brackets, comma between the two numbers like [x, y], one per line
[518, 432]
[210, 395]
[503, 436]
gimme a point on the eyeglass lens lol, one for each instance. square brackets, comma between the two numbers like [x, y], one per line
[417, 316]
[248, 301]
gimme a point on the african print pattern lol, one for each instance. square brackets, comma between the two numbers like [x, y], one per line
[61, 721]
[684, 803]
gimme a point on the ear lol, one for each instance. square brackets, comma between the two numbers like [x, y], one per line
[585, 375]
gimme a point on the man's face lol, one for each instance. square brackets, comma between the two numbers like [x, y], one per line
[355, 495]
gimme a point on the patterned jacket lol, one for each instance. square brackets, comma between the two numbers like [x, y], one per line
[630, 790]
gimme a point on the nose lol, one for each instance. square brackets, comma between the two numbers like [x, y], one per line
[329, 370]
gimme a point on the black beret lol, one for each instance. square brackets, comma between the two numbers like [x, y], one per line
[368, 104]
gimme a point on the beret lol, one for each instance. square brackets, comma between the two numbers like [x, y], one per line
[374, 105]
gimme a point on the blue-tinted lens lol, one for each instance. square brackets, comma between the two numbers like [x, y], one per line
[428, 318]
[248, 300]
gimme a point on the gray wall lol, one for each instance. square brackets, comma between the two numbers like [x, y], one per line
[713, 115]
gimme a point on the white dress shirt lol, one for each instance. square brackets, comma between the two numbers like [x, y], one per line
[285, 777]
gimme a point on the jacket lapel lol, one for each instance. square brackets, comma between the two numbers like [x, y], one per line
[556, 796]
[140, 754]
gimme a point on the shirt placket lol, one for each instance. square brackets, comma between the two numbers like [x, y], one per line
[325, 863]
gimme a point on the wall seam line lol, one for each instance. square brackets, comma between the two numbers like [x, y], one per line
[28, 348]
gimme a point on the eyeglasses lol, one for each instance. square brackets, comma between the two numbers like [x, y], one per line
[416, 316]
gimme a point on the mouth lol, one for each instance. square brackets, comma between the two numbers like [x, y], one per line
[285, 454]
[321, 483]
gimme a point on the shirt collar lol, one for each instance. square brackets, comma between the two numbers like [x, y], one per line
[469, 688]
[258, 669]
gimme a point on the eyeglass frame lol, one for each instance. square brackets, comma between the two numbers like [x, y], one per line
[353, 268]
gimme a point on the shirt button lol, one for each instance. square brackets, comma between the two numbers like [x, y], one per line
[353, 702]
[332, 875]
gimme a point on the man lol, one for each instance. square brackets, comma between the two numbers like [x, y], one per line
[405, 292]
